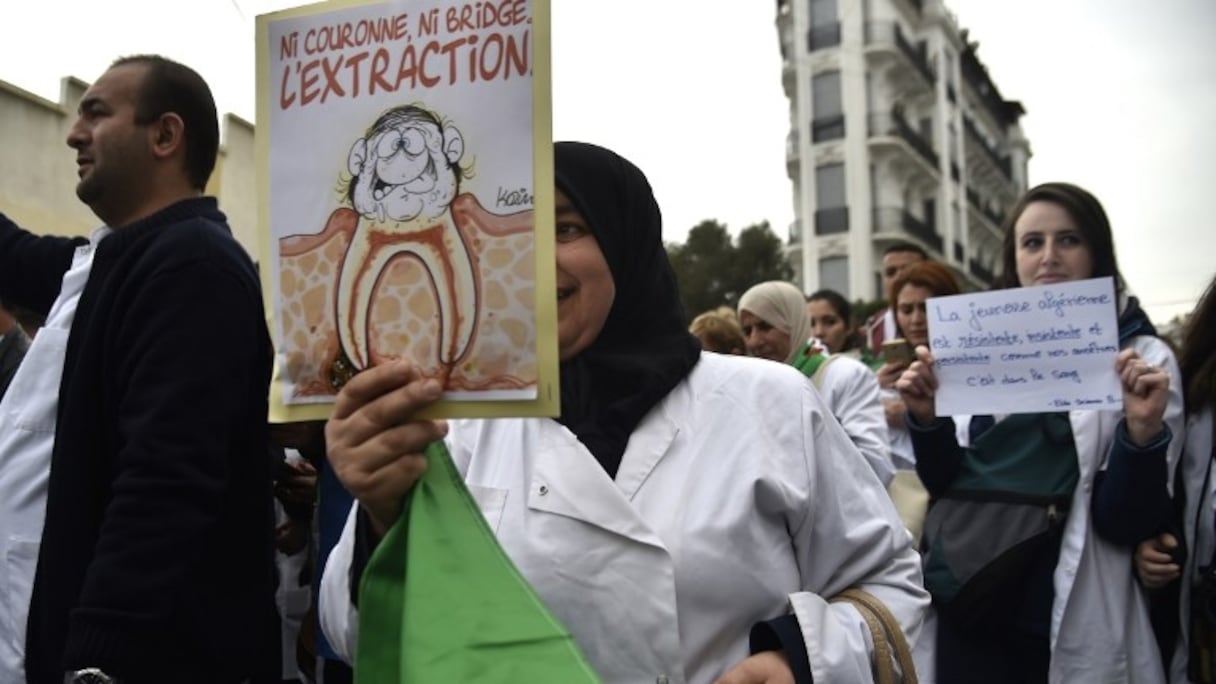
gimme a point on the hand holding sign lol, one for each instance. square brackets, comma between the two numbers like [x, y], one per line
[1146, 390]
[917, 386]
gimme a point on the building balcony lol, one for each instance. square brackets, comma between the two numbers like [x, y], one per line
[1006, 112]
[975, 141]
[896, 220]
[989, 217]
[832, 221]
[894, 125]
[887, 37]
[984, 274]
[795, 233]
[827, 128]
[821, 37]
[793, 154]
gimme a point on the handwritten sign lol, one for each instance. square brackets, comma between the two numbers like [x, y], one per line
[1027, 350]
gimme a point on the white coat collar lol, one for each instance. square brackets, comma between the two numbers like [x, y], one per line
[567, 480]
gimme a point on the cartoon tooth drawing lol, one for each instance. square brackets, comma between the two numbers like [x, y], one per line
[405, 174]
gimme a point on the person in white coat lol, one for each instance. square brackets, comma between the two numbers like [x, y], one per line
[687, 516]
[1156, 560]
[1077, 614]
[773, 316]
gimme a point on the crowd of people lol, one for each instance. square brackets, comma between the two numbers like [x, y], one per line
[767, 494]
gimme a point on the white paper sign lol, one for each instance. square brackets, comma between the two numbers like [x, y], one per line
[1027, 350]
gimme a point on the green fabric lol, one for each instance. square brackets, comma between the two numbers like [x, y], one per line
[1030, 453]
[808, 359]
[441, 602]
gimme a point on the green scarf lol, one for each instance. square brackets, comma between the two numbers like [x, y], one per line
[809, 359]
[440, 600]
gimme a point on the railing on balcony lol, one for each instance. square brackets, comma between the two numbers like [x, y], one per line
[827, 128]
[820, 37]
[1001, 162]
[831, 221]
[993, 216]
[879, 32]
[795, 232]
[985, 275]
[973, 198]
[896, 220]
[977, 77]
[895, 124]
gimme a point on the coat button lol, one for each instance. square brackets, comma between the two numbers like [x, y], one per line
[544, 489]
[662, 679]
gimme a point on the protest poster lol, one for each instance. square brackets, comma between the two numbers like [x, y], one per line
[406, 197]
[1027, 350]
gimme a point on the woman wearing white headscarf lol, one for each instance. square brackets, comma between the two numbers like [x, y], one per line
[776, 327]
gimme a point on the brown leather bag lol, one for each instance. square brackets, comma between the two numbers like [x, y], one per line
[890, 646]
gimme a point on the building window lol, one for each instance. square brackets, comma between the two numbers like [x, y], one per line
[827, 110]
[823, 12]
[831, 206]
[834, 274]
[820, 37]
[825, 26]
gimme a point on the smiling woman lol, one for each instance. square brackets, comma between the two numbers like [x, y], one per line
[628, 514]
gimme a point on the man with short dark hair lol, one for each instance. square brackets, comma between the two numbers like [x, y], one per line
[143, 493]
[880, 326]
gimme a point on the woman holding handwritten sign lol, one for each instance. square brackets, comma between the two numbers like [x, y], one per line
[1029, 541]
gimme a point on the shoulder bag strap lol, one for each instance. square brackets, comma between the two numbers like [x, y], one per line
[887, 636]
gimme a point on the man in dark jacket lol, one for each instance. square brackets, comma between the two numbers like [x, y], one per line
[155, 556]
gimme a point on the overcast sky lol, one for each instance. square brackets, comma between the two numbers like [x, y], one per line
[1120, 98]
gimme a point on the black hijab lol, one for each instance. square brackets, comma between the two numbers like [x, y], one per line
[644, 349]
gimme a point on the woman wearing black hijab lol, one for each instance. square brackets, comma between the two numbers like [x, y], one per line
[687, 516]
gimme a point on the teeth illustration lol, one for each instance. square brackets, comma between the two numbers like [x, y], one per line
[448, 263]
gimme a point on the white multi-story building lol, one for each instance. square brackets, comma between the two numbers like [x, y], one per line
[897, 133]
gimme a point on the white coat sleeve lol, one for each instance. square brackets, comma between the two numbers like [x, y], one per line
[339, 618]
[850, 536]
[852, 392]
[1158, 353]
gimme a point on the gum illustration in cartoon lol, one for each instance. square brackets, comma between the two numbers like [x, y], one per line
[405, 174]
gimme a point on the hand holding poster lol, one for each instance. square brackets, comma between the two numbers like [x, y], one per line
[1027, 350]
[407, 196]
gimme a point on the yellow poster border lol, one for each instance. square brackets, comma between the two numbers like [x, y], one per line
[548, 401]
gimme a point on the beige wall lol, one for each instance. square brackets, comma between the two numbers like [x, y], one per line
[38, 182]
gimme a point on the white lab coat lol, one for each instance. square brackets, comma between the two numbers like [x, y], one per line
[27, 435]
[1200, 536]
[738, 499]
[1100, 629]
[851, 391]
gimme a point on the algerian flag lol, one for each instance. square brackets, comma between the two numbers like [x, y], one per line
[440, 601]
